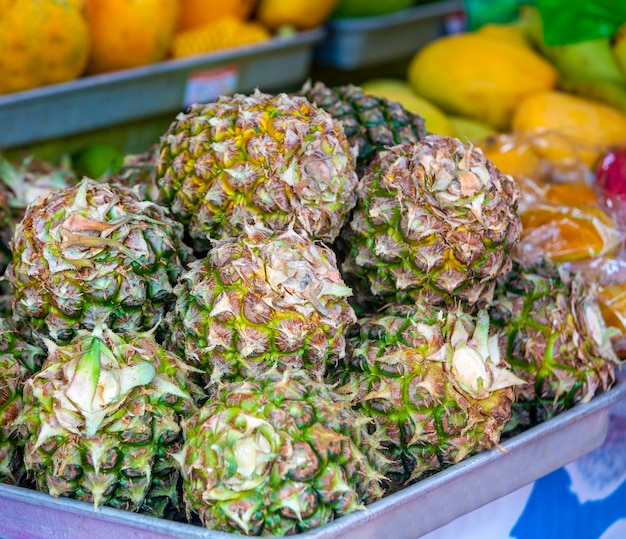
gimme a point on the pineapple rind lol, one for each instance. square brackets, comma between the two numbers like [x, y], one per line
[435, 221]
[371, 123]
[259, 300]
[94, 253]
[554, 337]
[120, 452]
[274, 160]
[400, 371]
[277, 455]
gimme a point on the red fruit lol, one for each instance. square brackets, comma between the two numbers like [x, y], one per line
[610, 173]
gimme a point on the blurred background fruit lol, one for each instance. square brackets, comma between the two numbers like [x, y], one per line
[298, 14]
[476, 77]
[568, 128]
[219, 34]
[195, 13]
[41, 42]
[129, 33]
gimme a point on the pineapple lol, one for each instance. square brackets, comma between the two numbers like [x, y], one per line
[94, 253]
[555, 338]
[101, 420]
[260, 300]
[263, 159]
[435, 222]
[23, 182]
[18, 360]
[41, 42]
[434, 383]
[223, 33]
[277, 455]
[137, 172]
[371, 123]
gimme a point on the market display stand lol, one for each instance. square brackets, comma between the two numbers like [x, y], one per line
[562, 478]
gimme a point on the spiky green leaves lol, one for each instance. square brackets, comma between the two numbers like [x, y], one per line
[554, 337]
[277, 455]
[259, 300]
[433, 382]
[371, 123]
[102, 418]
[94, 253]
[275, 160]
[435, 222]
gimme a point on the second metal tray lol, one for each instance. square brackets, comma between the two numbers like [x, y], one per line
[407, 514]
[354, 43]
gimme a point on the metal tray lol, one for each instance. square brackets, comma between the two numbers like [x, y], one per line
[113, 98]
[354, 43]
[406, 514]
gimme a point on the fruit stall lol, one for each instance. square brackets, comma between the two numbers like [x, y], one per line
[333, 268]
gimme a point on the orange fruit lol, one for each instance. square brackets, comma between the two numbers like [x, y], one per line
[196, 13]
[129, 33]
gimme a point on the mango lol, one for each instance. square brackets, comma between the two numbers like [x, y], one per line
[435, 120]
[567, 129]
[470, 75]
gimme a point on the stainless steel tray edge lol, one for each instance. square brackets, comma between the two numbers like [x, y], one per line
[353, 43]
[406, 514]
[106, 99]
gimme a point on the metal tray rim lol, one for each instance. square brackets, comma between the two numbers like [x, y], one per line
[392, 501]
[308, 37]
[397, 18]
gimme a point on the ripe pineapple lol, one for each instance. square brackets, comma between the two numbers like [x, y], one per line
[101, 420]
[261, 300]
[224, 33]
[41, 42]
[270, 159]
[371, 123]
[22, 182]
[277, 455]
[94, 253]
[435, 221]
[18, 360]
[433, 382]
[555, 338]
[138, 173]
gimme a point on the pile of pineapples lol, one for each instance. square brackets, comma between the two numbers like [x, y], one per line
[290, 307]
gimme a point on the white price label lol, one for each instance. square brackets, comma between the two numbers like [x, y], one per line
[208, 84]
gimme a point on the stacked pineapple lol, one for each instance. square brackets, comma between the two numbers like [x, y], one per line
[318, 304]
